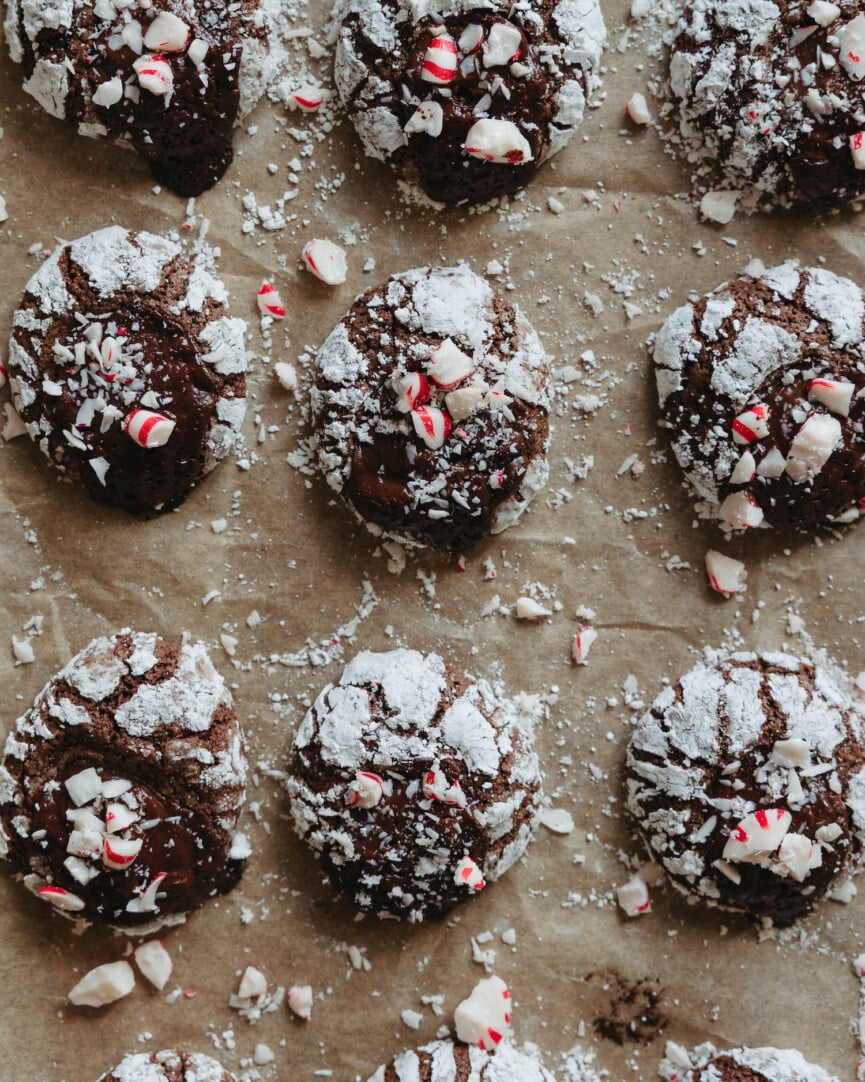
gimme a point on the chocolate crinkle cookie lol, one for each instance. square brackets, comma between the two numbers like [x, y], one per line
[169, 78]
[707, 1064]
[168, 1066]
[431, 406]
[121, 787]
[126, 369]
[415, 784]
[746, 780]
[466, 98]
[458, 1062]
[762, 387]
[771, 96]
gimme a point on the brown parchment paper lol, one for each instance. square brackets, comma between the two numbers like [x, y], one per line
[627, 546]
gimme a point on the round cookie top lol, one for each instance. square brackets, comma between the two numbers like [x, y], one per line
[431, 406]
[762, 386]
[466, 98]
[414, 784]
[465, 1063]
[126, 369]
[121, 787]
[168, 78]
[168, 1066]
[747, 781]
[707, 1064]
[770, 95]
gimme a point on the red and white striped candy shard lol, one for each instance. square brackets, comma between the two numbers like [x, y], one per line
[772, 465]
[741, 511]
[146, 902]
[751, 425]
[432, 425]
[471, 38]
[154, 961]
[118, 817]
[857, 149]
[253, 983]
[851, 43]
[119, 853]
[103, 985]
[463, 402]
[429, 117]
[633, 897]
[83, 787]
[484, 1018]
[365, 791]
[269, 302]
[440, 61]
[744, 470]
[799, 855]
[299, 1000]
[468, 874]
[582, 644]
[757, 835]
[308, 98]
[154, 74]
[412, 391]
[498, 141]
[813, 446]
[167, 34]
[62, 899]
[4, 376]
[449, 366]
[148, 429]
[726, 576]
[502, 45]
[325, 260]
[437, 787]
[834, 394]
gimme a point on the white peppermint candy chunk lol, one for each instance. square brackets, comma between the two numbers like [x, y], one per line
[108, 93]
[166, 34]
[757, 835]
[84, 787]
[118, 817]
[326, 261]
[85, 842]
[154, 961]
[582, 644]
[834, 394]
[103, 985]
[812, 447]
[432, 425]
[115, 787]
[299, 1000]
[798, 855]
[468, 874]
[638, 109]
[719, 206]
[197, 51]
[81, 870]
[449, 366]
[62, 899]
[463, 402]
[726, 576]
[428, 117]
[851, 42]
[751, 425]
[308, 98]
[148, 429]
[857, 149]
[119, 853]
[437, 787]
[440, 60]
[772, 465]
[146, 902]
[793, 752]
[365, 791]
[253, 983]
[498, 141]
[741, 511]
[744, 470]
[412, 391]
[823, 13]
[633, 897]
[829, 833]
[154, 74]
[471, 38]
[527, 608]
[484, 1018]
[502, 45]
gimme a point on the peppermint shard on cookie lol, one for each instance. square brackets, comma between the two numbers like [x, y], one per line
[746, 780]
[169, 79]
[467, 98]
[709, 1064]
[468, 1063]
[431, 406]
[168, 1065]
[121, 787]
[415, 784]
[126, 368]
[761, 385]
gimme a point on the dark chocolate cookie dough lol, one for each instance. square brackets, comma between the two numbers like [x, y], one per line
[168, 1066]
[167, 78]
[121, 787]
[464, 1063]
[126, 369]
[707, 1064]
[762, 387]
[414, 784]
[746, 780]
[431, 407]
[469, 97]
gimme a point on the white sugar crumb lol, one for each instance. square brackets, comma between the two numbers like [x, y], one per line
[22, 650]
[557, 820]
[412, 1019]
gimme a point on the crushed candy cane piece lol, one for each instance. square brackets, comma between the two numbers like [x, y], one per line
[62, 899]
[798, 855]
[428, 118]
[440, 60]
[432, 425]
[527, 608]
[558, 820]
[751, 425]
[269, 302]
[286, 374]
[146, 901]
[103, 985]
[744, 470]
[484, 1018]
[498, 141]
[365, 791]
[166, 34]
[502, 45]
[851, 43]
[148, 429]
[741, 511]
[471, 38]
[108, 93]
[638, 109]
[412, 391]
[794, 752]
[469, 874]
[857, 149]
[463, 402]
[633, 897]
[719, 206]
[326, 261]
[119, 853]
[308, 98]
[437, 787]
[726, 576]
[834, 394]
[449, 366]
[823, 13]
[813, 446]
[154, 74]
[582, 644]
[757, 835]
[772, 465]
[299, 1000]
[154, 961]
[253, 983]
[84, 787]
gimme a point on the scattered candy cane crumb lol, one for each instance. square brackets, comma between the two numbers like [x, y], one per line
[638, 109]
[726, 576]
[558, 820]
[484, 1018]
[527, 608]
[23, 651]
[582, 644]
[326, 261]
[286, 374]
[154, 961]
[719, 207]
[633, 897]
[103, 985]
[299, 1000]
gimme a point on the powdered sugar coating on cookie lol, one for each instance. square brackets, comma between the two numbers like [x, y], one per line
[708, 1064]
[455, 777]
[117, 322]
[132, 750]
[744, 747]
[168, 1066]
[371, 447]
[452, 1060]
[787, 342]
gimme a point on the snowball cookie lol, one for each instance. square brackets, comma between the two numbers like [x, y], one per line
[431, 405]
[126, 369]
[168, 1066]
[168, 78]
[121, 787]
[762, 386]
[467, 98]
[707, 1064]
[453, 1061]
[770, 95]
[747, 781]
[414, 784]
